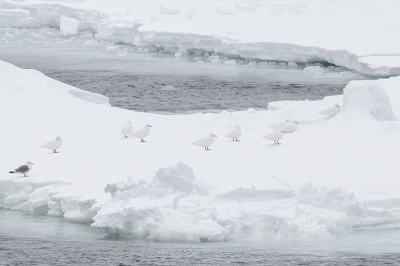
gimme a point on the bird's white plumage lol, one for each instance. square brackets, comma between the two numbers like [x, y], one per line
[287, 127]
[332, 111]
[275, 136]
[205, 142]
[127, 128]
[234, 133]
[53, 144]
[141, 133]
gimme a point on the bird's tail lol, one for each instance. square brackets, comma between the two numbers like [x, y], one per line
[11, 172]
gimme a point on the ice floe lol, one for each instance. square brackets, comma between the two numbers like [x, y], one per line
[328, 178]
[293, 32]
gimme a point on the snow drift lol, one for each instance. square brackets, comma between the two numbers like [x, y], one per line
[367, 98]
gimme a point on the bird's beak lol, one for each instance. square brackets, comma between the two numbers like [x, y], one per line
[32, 164]
[150, 126]
[215, 135]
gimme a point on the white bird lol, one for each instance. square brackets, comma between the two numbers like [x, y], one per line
[331, 112]
[23, 169]
[234, 133]
[275, 136]
[141, 133]
[206, 141]
[126, 129]
[287, 127]
[53, 144]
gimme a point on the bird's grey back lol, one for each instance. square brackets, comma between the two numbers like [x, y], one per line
[22, 169]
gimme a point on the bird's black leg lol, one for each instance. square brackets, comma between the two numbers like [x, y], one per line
[237, 139]
[24, 174]
[126, 136]
[278, 142]
[142, 140]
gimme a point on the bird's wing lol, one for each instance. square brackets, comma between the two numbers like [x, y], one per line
[50, 144]
[329, 111]
[126, 128]
[272, 136]
[58, 144]
[278, 125]
[201, 142]
[289, 127]
[138, 133]
[22, 169]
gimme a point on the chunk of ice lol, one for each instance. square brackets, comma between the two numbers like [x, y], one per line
[169, 10]
[230, 62]
[122, 52]
[191, 13]
[112, 49]
[69, 26]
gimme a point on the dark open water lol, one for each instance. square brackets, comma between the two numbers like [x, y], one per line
[185, 93]
[36, 251]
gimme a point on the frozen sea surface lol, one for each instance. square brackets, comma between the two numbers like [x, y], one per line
[43, 240]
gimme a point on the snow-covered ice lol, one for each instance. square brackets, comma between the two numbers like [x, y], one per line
[339, 32]
[326, 179]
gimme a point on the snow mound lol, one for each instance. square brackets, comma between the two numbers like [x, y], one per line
[243, 213]
[16, 18]
[179, 177]
[118, 29]
[169, 10]
[367, 98]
